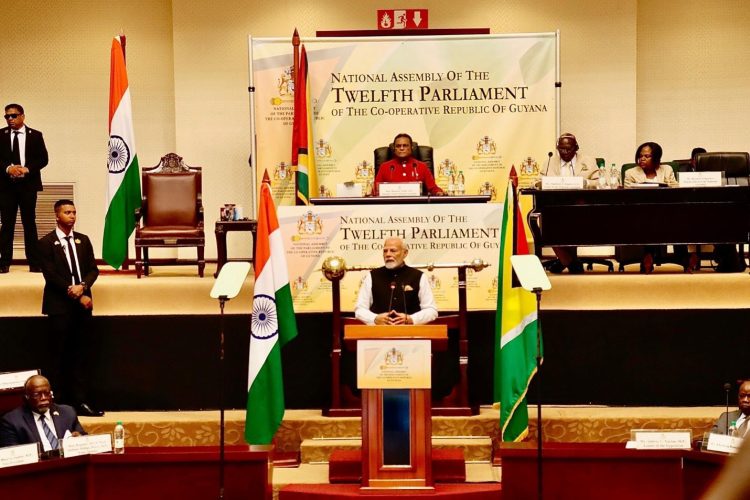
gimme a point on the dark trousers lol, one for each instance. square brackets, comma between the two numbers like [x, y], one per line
[70, 339]
[11, 200]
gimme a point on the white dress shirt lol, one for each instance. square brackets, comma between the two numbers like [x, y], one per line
[68, 251]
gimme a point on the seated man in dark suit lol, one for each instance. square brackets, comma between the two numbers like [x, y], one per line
[736, 422]
[39, 419]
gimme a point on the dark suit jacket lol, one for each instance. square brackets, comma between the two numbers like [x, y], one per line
[57, 275]
[720, 427]
[36, 160]
[18, 426]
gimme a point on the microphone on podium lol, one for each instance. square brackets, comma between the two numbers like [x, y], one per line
[727, 386]
[549, 157]
[390, 301]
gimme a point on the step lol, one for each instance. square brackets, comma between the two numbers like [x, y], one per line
[477, 449]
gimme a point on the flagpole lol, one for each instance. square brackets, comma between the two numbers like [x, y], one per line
[538, 292]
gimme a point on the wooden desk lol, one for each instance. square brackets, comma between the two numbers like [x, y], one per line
[221, 229]
[639, 216]
[186, 473]
[607, 470]
[402, 200]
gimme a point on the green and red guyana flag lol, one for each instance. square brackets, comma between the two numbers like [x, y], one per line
[273, 324]
[124, 179]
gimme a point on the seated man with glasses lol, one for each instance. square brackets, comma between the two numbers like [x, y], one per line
[568, 162]
[39, 419]
[405, 168]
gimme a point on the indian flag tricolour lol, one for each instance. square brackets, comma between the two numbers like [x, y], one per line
[273, 324]
[516, 328]
[124, 179]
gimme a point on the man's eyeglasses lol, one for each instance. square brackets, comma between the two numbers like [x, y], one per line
[402, 146]
[40, 395]
[12, 116]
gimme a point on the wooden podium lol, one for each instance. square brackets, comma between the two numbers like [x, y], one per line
[397, 422]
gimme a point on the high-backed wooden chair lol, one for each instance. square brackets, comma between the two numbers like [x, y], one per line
[171, 214]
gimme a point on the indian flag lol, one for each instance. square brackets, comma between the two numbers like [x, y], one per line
[303, 149]
[273, 324]
[515, 327]
[124, 179]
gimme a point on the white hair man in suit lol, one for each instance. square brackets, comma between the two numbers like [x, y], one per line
[39, 419]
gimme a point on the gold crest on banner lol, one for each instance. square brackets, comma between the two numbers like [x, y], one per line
[282, 171]
[284, 87]
[309, 224]
[364, 171]
[529, 173]
[446, 169]
[485, 147]
[300, 284]
[487, 188]
[434, 282]
[323, 149]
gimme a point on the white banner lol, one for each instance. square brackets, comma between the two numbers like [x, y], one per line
[483, 102]
[435, 233]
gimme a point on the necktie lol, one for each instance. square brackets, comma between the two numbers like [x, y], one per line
[48, 432]
[73, 266]
[16, 156]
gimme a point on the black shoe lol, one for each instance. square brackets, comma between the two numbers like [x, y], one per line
[556, 267]
[34, 269]
[86, 410]
[4, 269]
[575, 267]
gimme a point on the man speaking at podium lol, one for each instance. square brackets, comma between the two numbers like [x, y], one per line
[395, 294]
[405, 168]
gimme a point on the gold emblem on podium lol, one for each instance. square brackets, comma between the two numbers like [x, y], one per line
[309, 224]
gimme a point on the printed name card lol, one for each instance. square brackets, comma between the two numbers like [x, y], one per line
[700, 179]
[393, 364]
[19, 455]
[723, 443]
[648, 439]
[15, 380]
[553, 182]
[86, 445]
[400, 189]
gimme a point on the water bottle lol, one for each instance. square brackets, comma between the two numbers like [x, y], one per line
[119, 438]
[452, 184]
[614, 177]
[732, 428]
[460, 187]
[603, 178]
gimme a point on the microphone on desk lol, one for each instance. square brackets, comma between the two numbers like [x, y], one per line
[549, 157]
[727, 386]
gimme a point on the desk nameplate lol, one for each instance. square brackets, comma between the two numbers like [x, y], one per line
[660, 439]
[90, 444]
[559, 182]
[722, 443]
[400, 189]
[19, 455]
